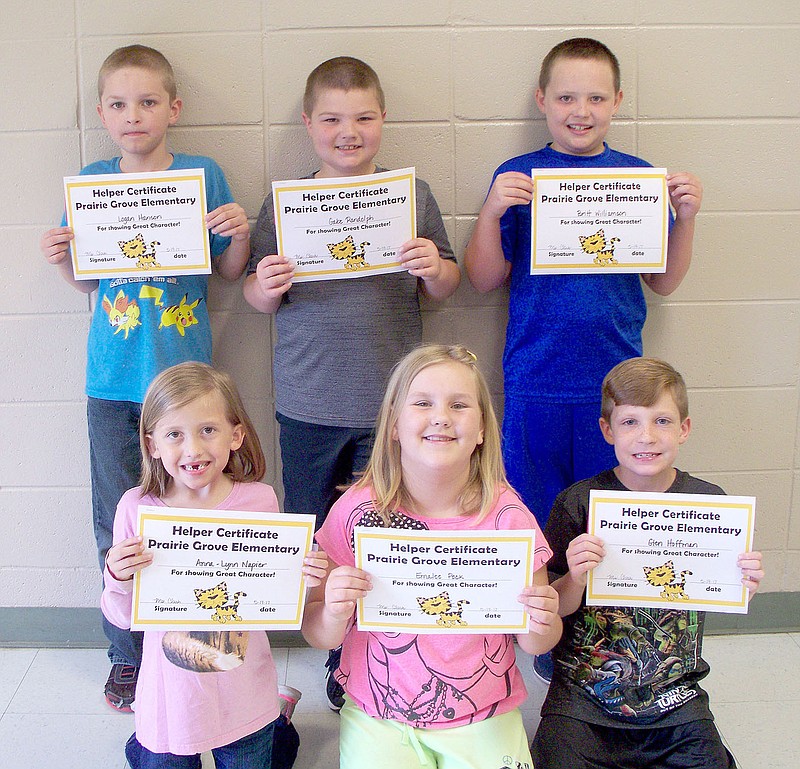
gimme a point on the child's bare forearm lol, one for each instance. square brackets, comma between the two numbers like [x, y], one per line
[679, 259]
[445, 284]
[570, 594]
[84, 286]
[541, 643]
[484, 261]
[320, 628]
[232, 262]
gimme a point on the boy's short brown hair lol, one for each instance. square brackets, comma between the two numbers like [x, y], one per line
[641, 382]
[579, 48]
[138, 56]
[342, 73]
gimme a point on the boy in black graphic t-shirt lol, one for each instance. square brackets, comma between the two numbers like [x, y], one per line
[625, 691]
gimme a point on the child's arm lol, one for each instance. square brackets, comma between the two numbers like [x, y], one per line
[55, 248]
[265, 288]
[686, 195]
[541, 602]
[123, 560]
[752, 571]
[583, 554]
[486, 265]
[230, 221]
[439, 277]
[331, 605]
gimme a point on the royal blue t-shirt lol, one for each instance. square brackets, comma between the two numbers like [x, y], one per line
[142, 326]
[565, 332]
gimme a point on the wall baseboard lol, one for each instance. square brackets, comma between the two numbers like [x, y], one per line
[80, 628]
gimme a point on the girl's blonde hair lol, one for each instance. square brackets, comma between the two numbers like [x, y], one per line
[176, 387]
[384, 472]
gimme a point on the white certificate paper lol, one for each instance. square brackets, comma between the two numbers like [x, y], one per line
[347, 227]
[599, 220]
[444, 582]
[670, 550]
[215, 569]
[135, 225]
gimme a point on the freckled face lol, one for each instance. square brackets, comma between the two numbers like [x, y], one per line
[646, 440]
[578, 104]
[345, 128]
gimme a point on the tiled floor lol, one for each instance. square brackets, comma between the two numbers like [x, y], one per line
[53, 714]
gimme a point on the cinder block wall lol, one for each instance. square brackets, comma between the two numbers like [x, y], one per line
[710, 87]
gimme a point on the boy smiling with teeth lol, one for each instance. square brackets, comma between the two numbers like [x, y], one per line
[625, 690]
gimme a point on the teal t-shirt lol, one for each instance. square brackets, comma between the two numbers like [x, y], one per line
[142, 326]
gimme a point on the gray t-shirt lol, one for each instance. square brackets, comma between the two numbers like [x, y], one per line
[338, 339]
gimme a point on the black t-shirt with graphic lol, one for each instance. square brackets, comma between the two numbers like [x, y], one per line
[623, 666]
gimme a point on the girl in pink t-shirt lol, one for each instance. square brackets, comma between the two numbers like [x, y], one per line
[197, 691]
[442, 699]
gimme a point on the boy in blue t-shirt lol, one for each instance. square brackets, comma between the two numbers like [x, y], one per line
[566, 331]
[141, 326]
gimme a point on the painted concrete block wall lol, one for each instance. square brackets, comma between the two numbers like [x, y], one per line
[710, 87]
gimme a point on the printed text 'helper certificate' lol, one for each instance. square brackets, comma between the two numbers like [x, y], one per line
[138, 225]
[599, 220]
[221, 570]
[670, 550]
[444, 582]
[346, 227]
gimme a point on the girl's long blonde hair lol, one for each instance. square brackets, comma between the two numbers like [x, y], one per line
[173, 389]
[384, 471]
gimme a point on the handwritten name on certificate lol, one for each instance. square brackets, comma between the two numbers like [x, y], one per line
[347, 227]
[670, 550]
[444, 582]
[221, 570]
[599, 220]
[138, 225]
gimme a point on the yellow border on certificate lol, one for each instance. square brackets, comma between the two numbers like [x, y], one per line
[165, 271]
[589, 267]
[223, 520]
[338, 186]
[668, 499]
[395, 536]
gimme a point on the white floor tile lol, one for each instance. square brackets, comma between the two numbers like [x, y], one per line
[40, 741]
[752, 668]
[306, 672]
[754, 687]
[64, 681]
[281, 658]
[14, 664]
[319, 740]
[760, 735]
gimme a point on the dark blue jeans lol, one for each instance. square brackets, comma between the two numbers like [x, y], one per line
[115, 464]
[316, 459]
[251, 752]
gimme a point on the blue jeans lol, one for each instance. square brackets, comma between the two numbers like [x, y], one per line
[115, 462]
[548, 447]
[251, 752]
[316, 460]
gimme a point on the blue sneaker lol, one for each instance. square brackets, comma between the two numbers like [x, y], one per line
[333, 689]
[543, 667]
